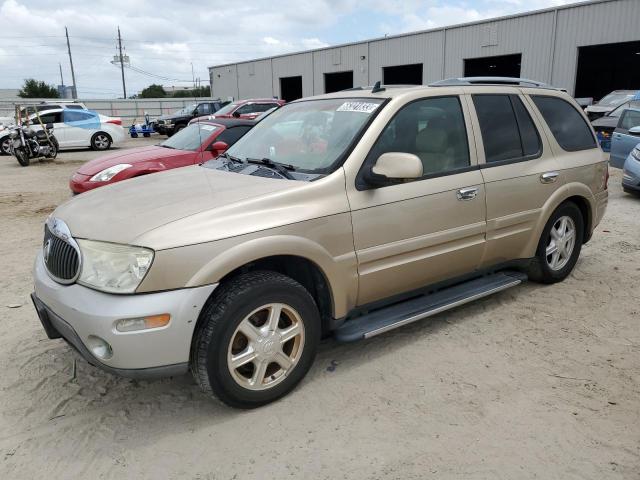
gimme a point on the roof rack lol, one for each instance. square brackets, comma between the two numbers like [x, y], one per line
[384, 86]
[490, 81]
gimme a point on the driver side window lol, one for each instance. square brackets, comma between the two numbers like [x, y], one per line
[433, 129]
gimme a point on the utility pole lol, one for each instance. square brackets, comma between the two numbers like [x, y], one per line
[73, 75]
[61, 77]
[193, 77]
[124, 87]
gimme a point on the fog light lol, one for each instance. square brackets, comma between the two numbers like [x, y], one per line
[144, 323]
[99, 347]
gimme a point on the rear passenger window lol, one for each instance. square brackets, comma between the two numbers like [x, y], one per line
[508, 133]
[569, 128]
[630, 119]
[433, 129]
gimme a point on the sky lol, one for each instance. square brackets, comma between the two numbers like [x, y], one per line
[164, 38]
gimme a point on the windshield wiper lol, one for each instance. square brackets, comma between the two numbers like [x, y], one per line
[230, 157]
[282, 168]
[167, 146]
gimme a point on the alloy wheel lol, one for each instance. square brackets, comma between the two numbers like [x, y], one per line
[266, 346]
[101, 142]
[561, 242]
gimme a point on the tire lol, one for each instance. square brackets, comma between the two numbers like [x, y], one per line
[245, 304]
[53, 150]
[178, 128]
[22, 156]
[555, 267]
[101, 141]
[5, 146]
[635, 193]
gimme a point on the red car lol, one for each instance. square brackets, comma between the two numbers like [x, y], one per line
[193, 144]
[247, 109]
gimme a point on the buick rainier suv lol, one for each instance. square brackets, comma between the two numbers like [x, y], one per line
[346, 215]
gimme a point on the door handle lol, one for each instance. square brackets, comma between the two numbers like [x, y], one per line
[468, 193]
[549, 177]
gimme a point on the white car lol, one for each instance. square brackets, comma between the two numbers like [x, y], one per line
[75, 128]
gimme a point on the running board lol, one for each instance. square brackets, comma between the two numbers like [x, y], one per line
[394, 316]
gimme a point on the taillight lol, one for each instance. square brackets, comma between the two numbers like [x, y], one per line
[115, 121]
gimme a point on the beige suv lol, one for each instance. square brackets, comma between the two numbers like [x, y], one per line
[347, 214]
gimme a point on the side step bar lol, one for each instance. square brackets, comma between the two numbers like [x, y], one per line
[397, 315]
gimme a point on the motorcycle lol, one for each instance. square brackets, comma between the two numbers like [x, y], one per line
[27, 143]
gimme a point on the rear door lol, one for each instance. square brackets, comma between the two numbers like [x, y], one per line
[520, 172]
[623, 141]
[80, 125]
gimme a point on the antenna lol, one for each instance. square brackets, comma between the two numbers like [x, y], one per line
[377, 88]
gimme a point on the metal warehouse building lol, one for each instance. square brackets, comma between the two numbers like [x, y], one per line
[589, 48]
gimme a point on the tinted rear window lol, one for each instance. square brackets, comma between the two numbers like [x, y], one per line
[569, 128]
[507, 130]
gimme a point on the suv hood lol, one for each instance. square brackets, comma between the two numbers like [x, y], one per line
[122, 212]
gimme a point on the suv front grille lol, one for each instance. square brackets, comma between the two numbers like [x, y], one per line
[60, 257]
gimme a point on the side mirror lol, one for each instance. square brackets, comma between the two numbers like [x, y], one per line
[394, 166]
[49, 126]
[218, 147]
[635, 131]
[236, 114]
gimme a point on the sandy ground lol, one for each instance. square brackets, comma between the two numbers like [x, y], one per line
[534, 382]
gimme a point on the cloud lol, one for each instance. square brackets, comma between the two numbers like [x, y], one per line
[165, 37]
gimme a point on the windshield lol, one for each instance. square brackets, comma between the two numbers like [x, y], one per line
[308, 135]
[615, 98]
[618, 111]
[227, 109]
[190, 137]
[188, 110]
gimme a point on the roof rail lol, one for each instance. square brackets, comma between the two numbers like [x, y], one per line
[489, 81]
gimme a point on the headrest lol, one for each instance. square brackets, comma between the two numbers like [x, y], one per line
[432, 140]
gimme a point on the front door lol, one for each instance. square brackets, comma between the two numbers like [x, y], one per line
[59, 128]
[411, 234]
[624, 141]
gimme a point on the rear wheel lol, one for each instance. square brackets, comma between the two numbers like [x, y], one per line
[559, 246]
[257, 339]
[100, 141]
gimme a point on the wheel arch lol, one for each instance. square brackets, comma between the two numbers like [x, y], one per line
[577, 193]
[331, 281]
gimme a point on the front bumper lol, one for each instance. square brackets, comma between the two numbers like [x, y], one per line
[81, 183]
[74, 312]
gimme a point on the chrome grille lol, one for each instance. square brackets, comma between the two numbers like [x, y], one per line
[60, 257]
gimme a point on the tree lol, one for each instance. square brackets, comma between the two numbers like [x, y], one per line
[204, 91]
[33, 88]
[153, 91]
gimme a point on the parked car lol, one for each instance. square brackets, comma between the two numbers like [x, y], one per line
[350, 213]
[631, 172]
[76, 128]
[609, 102]
[209, 118]
[605, 125]
[625, 137]
[25, 112]
[191, 145]
[173, 123]
[248, 109]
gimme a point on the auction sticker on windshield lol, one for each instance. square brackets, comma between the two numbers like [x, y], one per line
[363, 107]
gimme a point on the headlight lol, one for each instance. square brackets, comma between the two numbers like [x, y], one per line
[108, 173]
[112, 267]
[168, 122]
[635, 153]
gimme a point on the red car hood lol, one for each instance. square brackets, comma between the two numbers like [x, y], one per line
[131, 156]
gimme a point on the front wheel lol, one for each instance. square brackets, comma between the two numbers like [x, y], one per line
[22, 156]
[559, 246]
[256, 340]
[100, 141]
